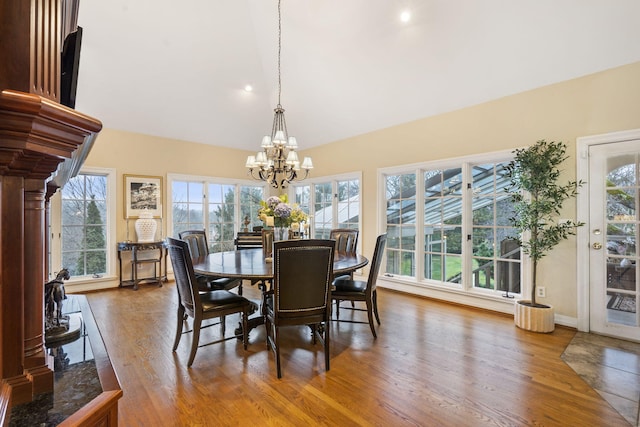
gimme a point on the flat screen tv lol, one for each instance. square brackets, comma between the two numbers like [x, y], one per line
[69, 64]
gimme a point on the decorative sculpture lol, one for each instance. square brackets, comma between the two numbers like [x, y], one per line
[53, 296]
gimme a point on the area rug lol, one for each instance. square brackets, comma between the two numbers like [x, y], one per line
[623, 303]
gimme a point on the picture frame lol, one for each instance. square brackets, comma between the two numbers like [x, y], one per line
[142, 193]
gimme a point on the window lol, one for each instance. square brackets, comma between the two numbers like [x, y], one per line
[81, 214]
[464, 240]
[219, 206]
[332, 203]
[401, 224]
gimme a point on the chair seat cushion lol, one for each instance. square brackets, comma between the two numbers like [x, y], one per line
[343, 277]
[217, 299]
[206, 283]
[224, 283]
[353, 286]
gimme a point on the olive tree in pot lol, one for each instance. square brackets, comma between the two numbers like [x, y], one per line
[537, 199]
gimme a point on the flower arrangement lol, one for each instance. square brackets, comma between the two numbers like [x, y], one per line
[281, 211]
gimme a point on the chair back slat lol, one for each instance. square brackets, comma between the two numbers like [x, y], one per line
[248, 240]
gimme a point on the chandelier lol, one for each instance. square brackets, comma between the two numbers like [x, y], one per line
[278, 162]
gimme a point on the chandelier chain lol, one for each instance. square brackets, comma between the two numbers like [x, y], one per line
[279, 50]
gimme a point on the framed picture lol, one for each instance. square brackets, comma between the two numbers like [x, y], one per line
[142, 193]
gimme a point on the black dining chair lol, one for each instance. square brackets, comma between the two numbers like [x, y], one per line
[201, 305]
[301, 292]
[198, 246]
[357, 290]
[346, 242]
[346, 239]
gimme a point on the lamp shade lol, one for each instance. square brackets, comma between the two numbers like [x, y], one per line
[261, 158]
[292, 158]
[266, 142]
[279, 138]
[307, 163]
[251, 161]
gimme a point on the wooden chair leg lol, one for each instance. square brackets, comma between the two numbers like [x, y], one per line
[223, 325]
[375, 305]
[197, 322]
[245, 328]
[327, 355]
[337, 309]
[370, 316]
[181, 318]
[277, 345]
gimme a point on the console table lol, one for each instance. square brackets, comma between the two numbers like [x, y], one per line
[157, 255]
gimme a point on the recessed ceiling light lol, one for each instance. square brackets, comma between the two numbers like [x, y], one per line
[248, 88]
[405, 16]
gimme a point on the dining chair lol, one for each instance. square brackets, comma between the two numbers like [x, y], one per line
[198, 246]
[346, 239]
[201, 305]
[358, 290]
[301, 292]
[346, 242]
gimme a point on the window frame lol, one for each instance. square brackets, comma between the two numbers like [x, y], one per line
[333, 179]
[466, 286]
[55, 229]
[206, 181]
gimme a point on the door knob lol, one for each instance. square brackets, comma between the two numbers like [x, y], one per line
[597, 245]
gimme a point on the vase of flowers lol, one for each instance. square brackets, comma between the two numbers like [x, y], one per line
[276, 210]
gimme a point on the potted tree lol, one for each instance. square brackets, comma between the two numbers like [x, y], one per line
[537, 199]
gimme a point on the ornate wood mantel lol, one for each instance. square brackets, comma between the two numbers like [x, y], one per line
[36, 135]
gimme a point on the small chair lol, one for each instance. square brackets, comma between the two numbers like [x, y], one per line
[301, 291]
[201, 305]
[357, 290]
[197, 241]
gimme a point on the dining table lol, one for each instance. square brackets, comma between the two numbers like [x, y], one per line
[253, 265]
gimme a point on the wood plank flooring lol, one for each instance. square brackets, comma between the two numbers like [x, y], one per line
[433, 364]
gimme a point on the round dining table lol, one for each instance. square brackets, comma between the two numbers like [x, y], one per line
[251, 264]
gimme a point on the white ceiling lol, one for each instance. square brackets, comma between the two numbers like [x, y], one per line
[178, 69]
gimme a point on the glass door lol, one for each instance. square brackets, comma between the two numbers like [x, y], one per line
[614, 189]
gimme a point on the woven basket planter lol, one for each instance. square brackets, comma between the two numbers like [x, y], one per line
[535, 319]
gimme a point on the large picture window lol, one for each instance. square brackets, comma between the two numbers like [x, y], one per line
[81, 226]
[464, 240]
[333, 202]
[220, 207]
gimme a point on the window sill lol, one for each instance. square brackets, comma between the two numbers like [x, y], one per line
[476, 299]
[87, 283]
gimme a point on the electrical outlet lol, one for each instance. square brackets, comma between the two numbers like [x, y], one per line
[541, 292]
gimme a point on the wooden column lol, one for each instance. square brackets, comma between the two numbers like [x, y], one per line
[35, 359]
[36, 135]
[11, 284]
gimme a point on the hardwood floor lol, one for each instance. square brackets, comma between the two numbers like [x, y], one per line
[433, 364]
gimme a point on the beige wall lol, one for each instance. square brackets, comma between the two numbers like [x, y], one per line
[137, 154]
[599, 103]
